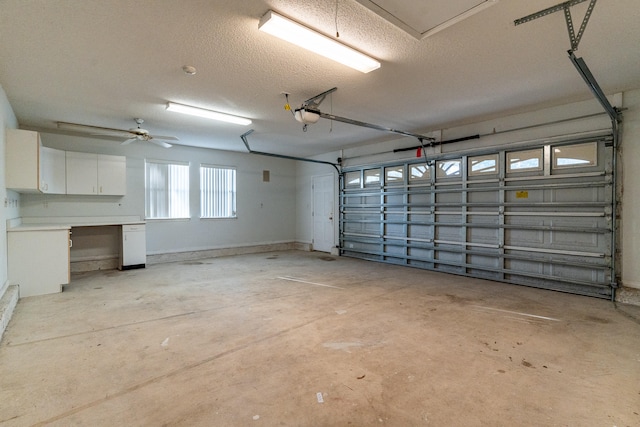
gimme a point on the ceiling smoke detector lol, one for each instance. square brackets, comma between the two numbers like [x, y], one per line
[189, 69]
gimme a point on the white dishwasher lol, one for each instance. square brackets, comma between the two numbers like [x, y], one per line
[133, 251]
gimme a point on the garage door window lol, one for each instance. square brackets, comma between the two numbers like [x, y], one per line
[577, 155]
[394, 175]
[522, 161]
[448, 169]
[372, 178]
[483, 165]
[352, 179]
[420, 172]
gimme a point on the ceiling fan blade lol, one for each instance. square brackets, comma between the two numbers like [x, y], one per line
[114, 133]
[160, 143]
[87, 128]
[166, 138]
[132, 135]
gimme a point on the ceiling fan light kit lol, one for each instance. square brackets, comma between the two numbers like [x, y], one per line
[209, 114]
[288, 30]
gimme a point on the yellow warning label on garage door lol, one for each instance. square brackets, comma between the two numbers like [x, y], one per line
[522, 194]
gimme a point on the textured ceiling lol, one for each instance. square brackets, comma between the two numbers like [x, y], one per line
[103, 63]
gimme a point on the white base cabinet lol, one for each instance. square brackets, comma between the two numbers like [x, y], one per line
[133, 252]
[38, 260]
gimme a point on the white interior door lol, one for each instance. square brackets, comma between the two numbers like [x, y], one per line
[323, 213]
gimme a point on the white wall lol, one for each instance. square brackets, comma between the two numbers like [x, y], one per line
[630, 207]
[494, 136]
[10, 209]
[266, 211]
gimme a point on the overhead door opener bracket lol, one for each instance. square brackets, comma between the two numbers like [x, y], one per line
[566, 7]
[613, 112]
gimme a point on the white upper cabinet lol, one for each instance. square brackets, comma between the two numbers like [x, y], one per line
[32, 167]
[112, 175]
[82, 173]
[96, 174]
[53, 168]
[23, 160]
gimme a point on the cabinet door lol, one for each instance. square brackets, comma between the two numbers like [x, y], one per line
[82, 173]
[38, 261]
[134, 246]
[53, 179]
[23, 160]
[112, 175]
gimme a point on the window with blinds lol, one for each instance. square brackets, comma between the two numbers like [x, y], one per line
[217, 192]
[166, 190]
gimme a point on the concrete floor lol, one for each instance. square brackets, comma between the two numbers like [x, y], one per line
[306, 339]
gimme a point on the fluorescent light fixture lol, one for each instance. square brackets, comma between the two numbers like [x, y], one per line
[201, 112]
[288, 30]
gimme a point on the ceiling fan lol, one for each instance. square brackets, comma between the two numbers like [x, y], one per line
[131, 135]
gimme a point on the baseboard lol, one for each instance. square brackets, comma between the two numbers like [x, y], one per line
[215, 253]
[628, 295]
[7, 306]
[84, 265]
[301, 246]
[94, 265]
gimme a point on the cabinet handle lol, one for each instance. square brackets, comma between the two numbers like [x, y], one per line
[70, 243]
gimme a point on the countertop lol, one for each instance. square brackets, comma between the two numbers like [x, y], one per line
[38, 227]
[50, 224]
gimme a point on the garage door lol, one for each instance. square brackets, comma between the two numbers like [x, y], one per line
[539, 215]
